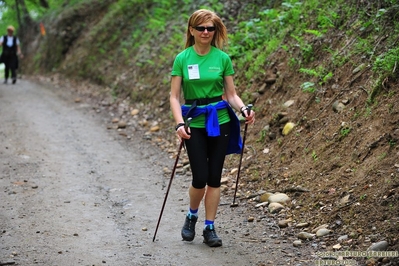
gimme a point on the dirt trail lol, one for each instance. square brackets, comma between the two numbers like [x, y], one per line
[73, 193]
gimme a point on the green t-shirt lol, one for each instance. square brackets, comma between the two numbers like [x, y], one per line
[203, 77]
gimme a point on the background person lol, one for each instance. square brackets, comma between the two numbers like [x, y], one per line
[9, 55]
[203, 73]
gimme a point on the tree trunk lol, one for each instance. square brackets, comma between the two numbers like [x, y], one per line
[21, 8]
[44, 3]
[28, 28]
[18, 13]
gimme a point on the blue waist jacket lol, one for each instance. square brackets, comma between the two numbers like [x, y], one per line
[212, 123]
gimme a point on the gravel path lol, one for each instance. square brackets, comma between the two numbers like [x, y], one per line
[75, 193]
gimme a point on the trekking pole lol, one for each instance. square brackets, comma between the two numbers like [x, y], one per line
[249, 107]
[171, 178]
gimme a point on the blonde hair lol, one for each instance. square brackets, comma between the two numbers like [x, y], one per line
[201, 16]
[10, 27]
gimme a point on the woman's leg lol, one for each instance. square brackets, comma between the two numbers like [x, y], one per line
[197, 153]
[212, 199]
[6, 68]
[196, 195]
[13, 68]
[217, 154]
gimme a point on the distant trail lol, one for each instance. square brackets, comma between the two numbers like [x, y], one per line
[72, 194]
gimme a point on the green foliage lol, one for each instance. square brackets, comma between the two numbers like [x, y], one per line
[314, 156]
[382, 156]
[386, 64]
[367, 112]
[314, 32]
[7, 16]
[149, 34]
[392, 142]
[385, 67]
[320, 74]
[262, 136]
[344, 131]
[308, 87]
[264, 34]
[363, 197]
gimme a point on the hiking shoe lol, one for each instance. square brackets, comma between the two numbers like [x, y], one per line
[188, 230]
[14, 80]
[210, 237]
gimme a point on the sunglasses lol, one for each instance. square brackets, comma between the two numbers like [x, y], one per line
[202, 28]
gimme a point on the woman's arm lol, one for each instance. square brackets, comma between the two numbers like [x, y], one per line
[175, 90]
[19, 49]
[234, 100]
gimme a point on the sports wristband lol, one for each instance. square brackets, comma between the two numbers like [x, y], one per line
[242, 109]
[179, 125]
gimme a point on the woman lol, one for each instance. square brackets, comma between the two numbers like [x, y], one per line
[204, 75]
[9, 56]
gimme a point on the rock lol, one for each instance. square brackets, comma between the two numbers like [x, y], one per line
[322, 232]
[379, 246]
[344, 200]
[319, 227]
[122, 133]
[115, 120]
[254, 96]
[271, 79]
[122, 124]
[275, 207]
[343, 238]
[7, 262]
[284, 120]
[261, 204]
[359, 68]
[289, 103]
[337, 246]
[278, 197]
[251, 219]
[143, 123]
[288, 128]
[371, 262]
[154, 129]
[353, 235]
[338, 106]
[302, 225]
[272, 135]
[224, 180]
[233, 171]
[262, 89]
[265, 197]
[134, 112]
[283, 223]
[305, 235]
[297, 243]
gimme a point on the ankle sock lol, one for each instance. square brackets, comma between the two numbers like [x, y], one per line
[192, 212]
[210, 223]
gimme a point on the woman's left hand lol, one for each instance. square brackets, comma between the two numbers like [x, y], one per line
[249, 116]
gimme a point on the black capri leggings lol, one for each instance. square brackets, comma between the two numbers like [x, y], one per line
[206, 155]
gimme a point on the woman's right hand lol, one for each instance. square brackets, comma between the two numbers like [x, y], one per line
[183, 132]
